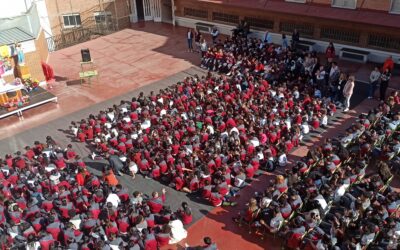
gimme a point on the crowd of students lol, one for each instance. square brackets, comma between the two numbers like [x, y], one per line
[49, 200]
[210, 134]
[329, 199]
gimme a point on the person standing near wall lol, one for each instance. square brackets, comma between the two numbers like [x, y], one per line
[330, 52]
[295, 38]
[190, 36]
[197, 40]
[214, 34]
[373, 82]
[348, 92]
[385, 77]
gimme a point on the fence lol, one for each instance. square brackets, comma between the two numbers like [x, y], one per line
[69, 37]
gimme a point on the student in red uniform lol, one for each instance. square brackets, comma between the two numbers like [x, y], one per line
[156, 203]
[185, 214]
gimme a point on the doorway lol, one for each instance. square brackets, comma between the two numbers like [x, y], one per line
[139, 9]
[166, 11]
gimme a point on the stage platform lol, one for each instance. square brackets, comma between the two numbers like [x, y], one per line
[37, 97]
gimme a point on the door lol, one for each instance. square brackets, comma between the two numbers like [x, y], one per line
[166, 11]
[157, 7]
[139, 10]
[148, 10]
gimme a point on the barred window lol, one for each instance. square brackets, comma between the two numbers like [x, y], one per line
[384, 41]
[226, 18]
[296, 1]
[195, 13]
[305, 29]
[259, 23]
[347, 4]
[395, 7]
[350, 36]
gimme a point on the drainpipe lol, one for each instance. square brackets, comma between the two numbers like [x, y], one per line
[173, 12]
[116, 14]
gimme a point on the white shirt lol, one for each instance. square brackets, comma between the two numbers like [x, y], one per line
[282, 160]
[305, 128]
[321, 200]
[276, 221]
[146, 124]
[114, 199]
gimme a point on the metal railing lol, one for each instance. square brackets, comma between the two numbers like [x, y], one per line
[69, 37]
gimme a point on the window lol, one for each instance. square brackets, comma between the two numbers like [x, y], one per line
[296, 1]
[195, 13]
[348, 4]
[102, 17]
[305, 29]
[384, 41]
[72, 20]
[259, 23]
[226, 18]
[395, 7]
[341, 35]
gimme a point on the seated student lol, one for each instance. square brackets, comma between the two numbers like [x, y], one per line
[185, 214]
[275, 221]
[178, 232]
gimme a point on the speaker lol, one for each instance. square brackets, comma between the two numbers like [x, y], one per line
[85, 55]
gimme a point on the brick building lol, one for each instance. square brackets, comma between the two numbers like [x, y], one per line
[368, 24]
[75, 21]
[25, 29]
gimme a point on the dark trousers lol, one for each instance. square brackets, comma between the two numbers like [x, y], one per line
[382, 89]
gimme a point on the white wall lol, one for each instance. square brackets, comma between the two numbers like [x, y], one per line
[376, 56]
[14, 8]
[11, 8]
[44, 17]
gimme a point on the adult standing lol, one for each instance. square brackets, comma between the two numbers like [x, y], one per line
[295, 38]
[373, 81]
[385, 77]
[190, 36]
[214, 34]
[348, 92]
[203, 48]
[197, 40]
[285, 43]
[330, 52]
[267, 38]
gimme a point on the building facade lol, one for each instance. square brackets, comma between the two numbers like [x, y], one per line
[368, 24]
[67, 15]
[22, 26]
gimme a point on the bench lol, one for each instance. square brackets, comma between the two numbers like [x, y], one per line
[354, 55]
[204, 27]
[305, 45]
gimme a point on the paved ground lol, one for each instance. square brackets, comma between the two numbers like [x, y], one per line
[149, 57]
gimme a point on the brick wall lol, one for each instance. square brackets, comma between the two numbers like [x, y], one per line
[33, 59]
[317, 23]
[86, 8]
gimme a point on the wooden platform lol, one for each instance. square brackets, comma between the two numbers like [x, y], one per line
[37, 97]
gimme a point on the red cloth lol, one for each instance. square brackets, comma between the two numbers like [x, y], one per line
[47, 71]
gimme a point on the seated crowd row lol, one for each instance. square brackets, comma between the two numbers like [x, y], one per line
[210, 135]
[330, 200]
[49, 200]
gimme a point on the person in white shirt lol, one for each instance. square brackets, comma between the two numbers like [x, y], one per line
[282, 160]
[373, 81]
[113, 199]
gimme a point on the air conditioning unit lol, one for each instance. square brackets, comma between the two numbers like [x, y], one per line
[296, 1]
[348, 4]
